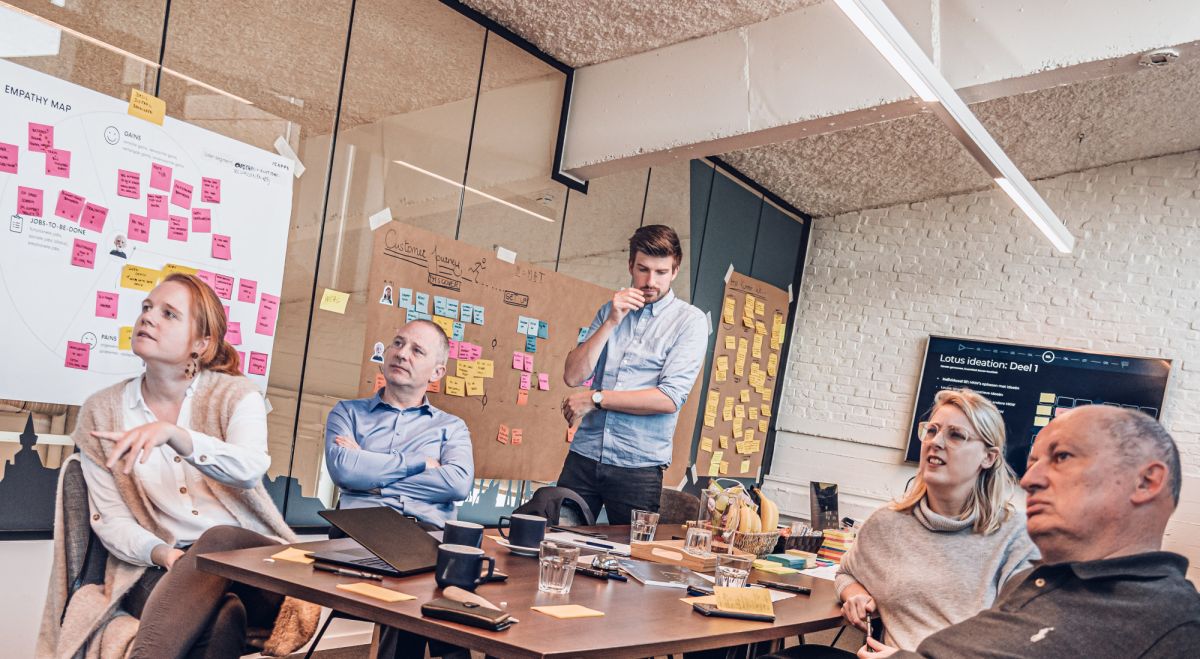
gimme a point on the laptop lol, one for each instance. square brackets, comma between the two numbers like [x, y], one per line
[392, 544]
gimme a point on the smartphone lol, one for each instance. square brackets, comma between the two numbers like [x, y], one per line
[700, 591]
[712, 610]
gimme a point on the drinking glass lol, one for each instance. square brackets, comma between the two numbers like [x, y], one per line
[556, 567]
[732, 570]
[698, 541]
[642, 526]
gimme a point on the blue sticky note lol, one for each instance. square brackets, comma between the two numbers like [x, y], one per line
[439, 305]
[424, 316]
[422, 302]
[411, 315]
[543, 329]
[522, 325]
[458, 331]
[478, 315]
[583, 335]
[530, 344]
[466, 311]
[406, 298]
[451, 308]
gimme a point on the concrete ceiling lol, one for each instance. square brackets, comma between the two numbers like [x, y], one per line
[583, 32]
[1130, 116]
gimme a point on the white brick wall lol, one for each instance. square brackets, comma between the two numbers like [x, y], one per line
[878, 282]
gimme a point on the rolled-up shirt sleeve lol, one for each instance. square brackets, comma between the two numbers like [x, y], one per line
[111, 519]
[241, 459]
[361, 470]
[684, 360]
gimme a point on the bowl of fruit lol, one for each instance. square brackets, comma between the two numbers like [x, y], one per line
[737, 518]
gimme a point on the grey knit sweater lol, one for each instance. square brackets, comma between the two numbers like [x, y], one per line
[927, 572]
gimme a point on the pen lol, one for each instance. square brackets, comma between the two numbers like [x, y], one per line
[346, 573]
[567, 529]
[593, 572]
[597, 544]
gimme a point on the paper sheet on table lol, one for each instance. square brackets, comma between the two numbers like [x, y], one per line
[588, 543]
[568, 611]
[294, 555]
[827, 572]
[377, 592]
[776, 595]
[745, 600]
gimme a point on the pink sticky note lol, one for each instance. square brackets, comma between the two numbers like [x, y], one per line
[220, 247]
[129, 184]
[156, 206]
[224, 287]
[528, 363]
[8, 158]
[177, 228]
[525, 381]
[544, 381]
[106, 304]
[201, 220]
[587, 382]
[41, 137]
[241, 361]
[160, 177]
[83, 254]
[453, 353]
[268, 308]
[58, 163]
[69, 206]
[77, 355]
[139, 228]
[181, 195]
[258, 363]
[207, 277]
[93, 217]
[210, 190]
[247, 290]
[29, 201]
[234, 334]
[518, 361]
[226, 308]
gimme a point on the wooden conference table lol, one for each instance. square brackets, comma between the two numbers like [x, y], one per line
[638, 621]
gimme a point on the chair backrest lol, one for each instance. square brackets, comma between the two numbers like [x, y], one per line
[560, 506]
[85, 554]
[677, 507]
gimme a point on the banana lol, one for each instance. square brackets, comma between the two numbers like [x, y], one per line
[768, 512]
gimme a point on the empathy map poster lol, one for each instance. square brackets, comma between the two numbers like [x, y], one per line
[98, 206]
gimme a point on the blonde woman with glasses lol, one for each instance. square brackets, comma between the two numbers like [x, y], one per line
[942, 552]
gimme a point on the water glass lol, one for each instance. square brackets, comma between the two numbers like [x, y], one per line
[698, 541]
[642, 526]
[733, 570]
[556, 567]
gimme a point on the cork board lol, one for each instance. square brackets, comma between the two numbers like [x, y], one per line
[497, 315]
[741, 387]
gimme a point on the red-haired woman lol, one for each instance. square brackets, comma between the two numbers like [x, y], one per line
[174, 460]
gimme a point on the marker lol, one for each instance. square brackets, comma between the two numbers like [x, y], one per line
[346, 573]
[597, 544]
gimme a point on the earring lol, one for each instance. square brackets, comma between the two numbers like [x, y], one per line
[192, 368]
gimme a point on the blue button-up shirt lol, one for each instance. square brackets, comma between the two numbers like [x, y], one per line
[660, 345]
[389, 467]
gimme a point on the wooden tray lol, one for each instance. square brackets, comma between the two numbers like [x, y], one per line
[670, 552]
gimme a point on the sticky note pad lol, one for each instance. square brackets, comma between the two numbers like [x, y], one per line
[201, 220]
[69, 206]
[233, 333]
[268, 310]
[1043, 410]
[177, 228]
[106, 304]
[139, 228]
[146, 106]
[745, 600]
[220, 247]
[41, 137]
[129, 184]
[77, 355]
[181, 195]
[29, 201]
[210, 190]
[577, 611]
[93, 217]
[247, 290]
[294, 555]
[58, 163]
[376, 592]
[8, 158]
[160, 177]
[125, 338]
[83, 254]
[1046, 398]
[1039, 421]
[474, 386]
[455, 386]
[258, 364]
[334, 301]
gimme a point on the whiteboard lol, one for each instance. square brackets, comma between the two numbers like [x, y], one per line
[75, 171]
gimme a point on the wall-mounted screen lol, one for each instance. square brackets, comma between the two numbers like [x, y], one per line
[1030, 385]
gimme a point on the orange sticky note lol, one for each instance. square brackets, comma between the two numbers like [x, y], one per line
[571, 434]
[376, 592]
[147, 106]
[570, 611]
[522, 397]
[516, 436]
[502, 434]
[379, 381]
[294, 555]
[434, 387]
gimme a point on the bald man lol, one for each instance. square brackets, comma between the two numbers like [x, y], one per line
[1102, 483]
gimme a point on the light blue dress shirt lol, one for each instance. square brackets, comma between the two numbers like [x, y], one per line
[660, 345]
[389, 467]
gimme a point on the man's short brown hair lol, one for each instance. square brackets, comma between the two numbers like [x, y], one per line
[655, 240]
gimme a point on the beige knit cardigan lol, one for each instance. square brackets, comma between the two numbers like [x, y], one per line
[93, 619]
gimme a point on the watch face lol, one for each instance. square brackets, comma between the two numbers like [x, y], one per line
[597, 397]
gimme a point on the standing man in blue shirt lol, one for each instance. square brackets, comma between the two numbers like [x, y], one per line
[394, 448]
[643, 352]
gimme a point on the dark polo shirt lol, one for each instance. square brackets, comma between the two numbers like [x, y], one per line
[1133, 606]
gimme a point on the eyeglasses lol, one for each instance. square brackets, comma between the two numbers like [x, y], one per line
[928, 431]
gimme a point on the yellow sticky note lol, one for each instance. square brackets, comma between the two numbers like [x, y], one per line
[759, 308]
[727, 311]
[485, 368]
[730, 342]
[474, 386]
[710, 420]
[447, 324]
[752, 413]
[1044, 410]
[125, 339]
[739, 412]
[756, 351]
[378, 592]
[572, 610]
[722, 375]
[706, 444]
[745, 467]
[772, 364]
[1040, 421]
[172, 268]
[1046, 398]
[455, 386]
[765, 409]
[334, 301]
[762, 425]
[748, 309]
[724, 468]
[737, 428]
[723, 363]
[744, 600]
[744, 395]
[139, 278]
[294, 555]
[714, 467]
[147, 106]
[723, 441]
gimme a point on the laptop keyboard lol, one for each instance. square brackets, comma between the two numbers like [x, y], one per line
[376, 563]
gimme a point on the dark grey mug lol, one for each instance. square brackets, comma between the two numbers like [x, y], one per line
[523, 530]
[462, 533]
[462, 566]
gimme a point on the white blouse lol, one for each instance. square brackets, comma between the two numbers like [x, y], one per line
[176, 485]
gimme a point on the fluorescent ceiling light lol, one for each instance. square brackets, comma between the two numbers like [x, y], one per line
[884, 31]
[468, 188]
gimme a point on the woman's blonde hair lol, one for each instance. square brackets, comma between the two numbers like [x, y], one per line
[990, 498]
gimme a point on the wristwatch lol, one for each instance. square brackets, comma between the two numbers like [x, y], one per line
[597, 399]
